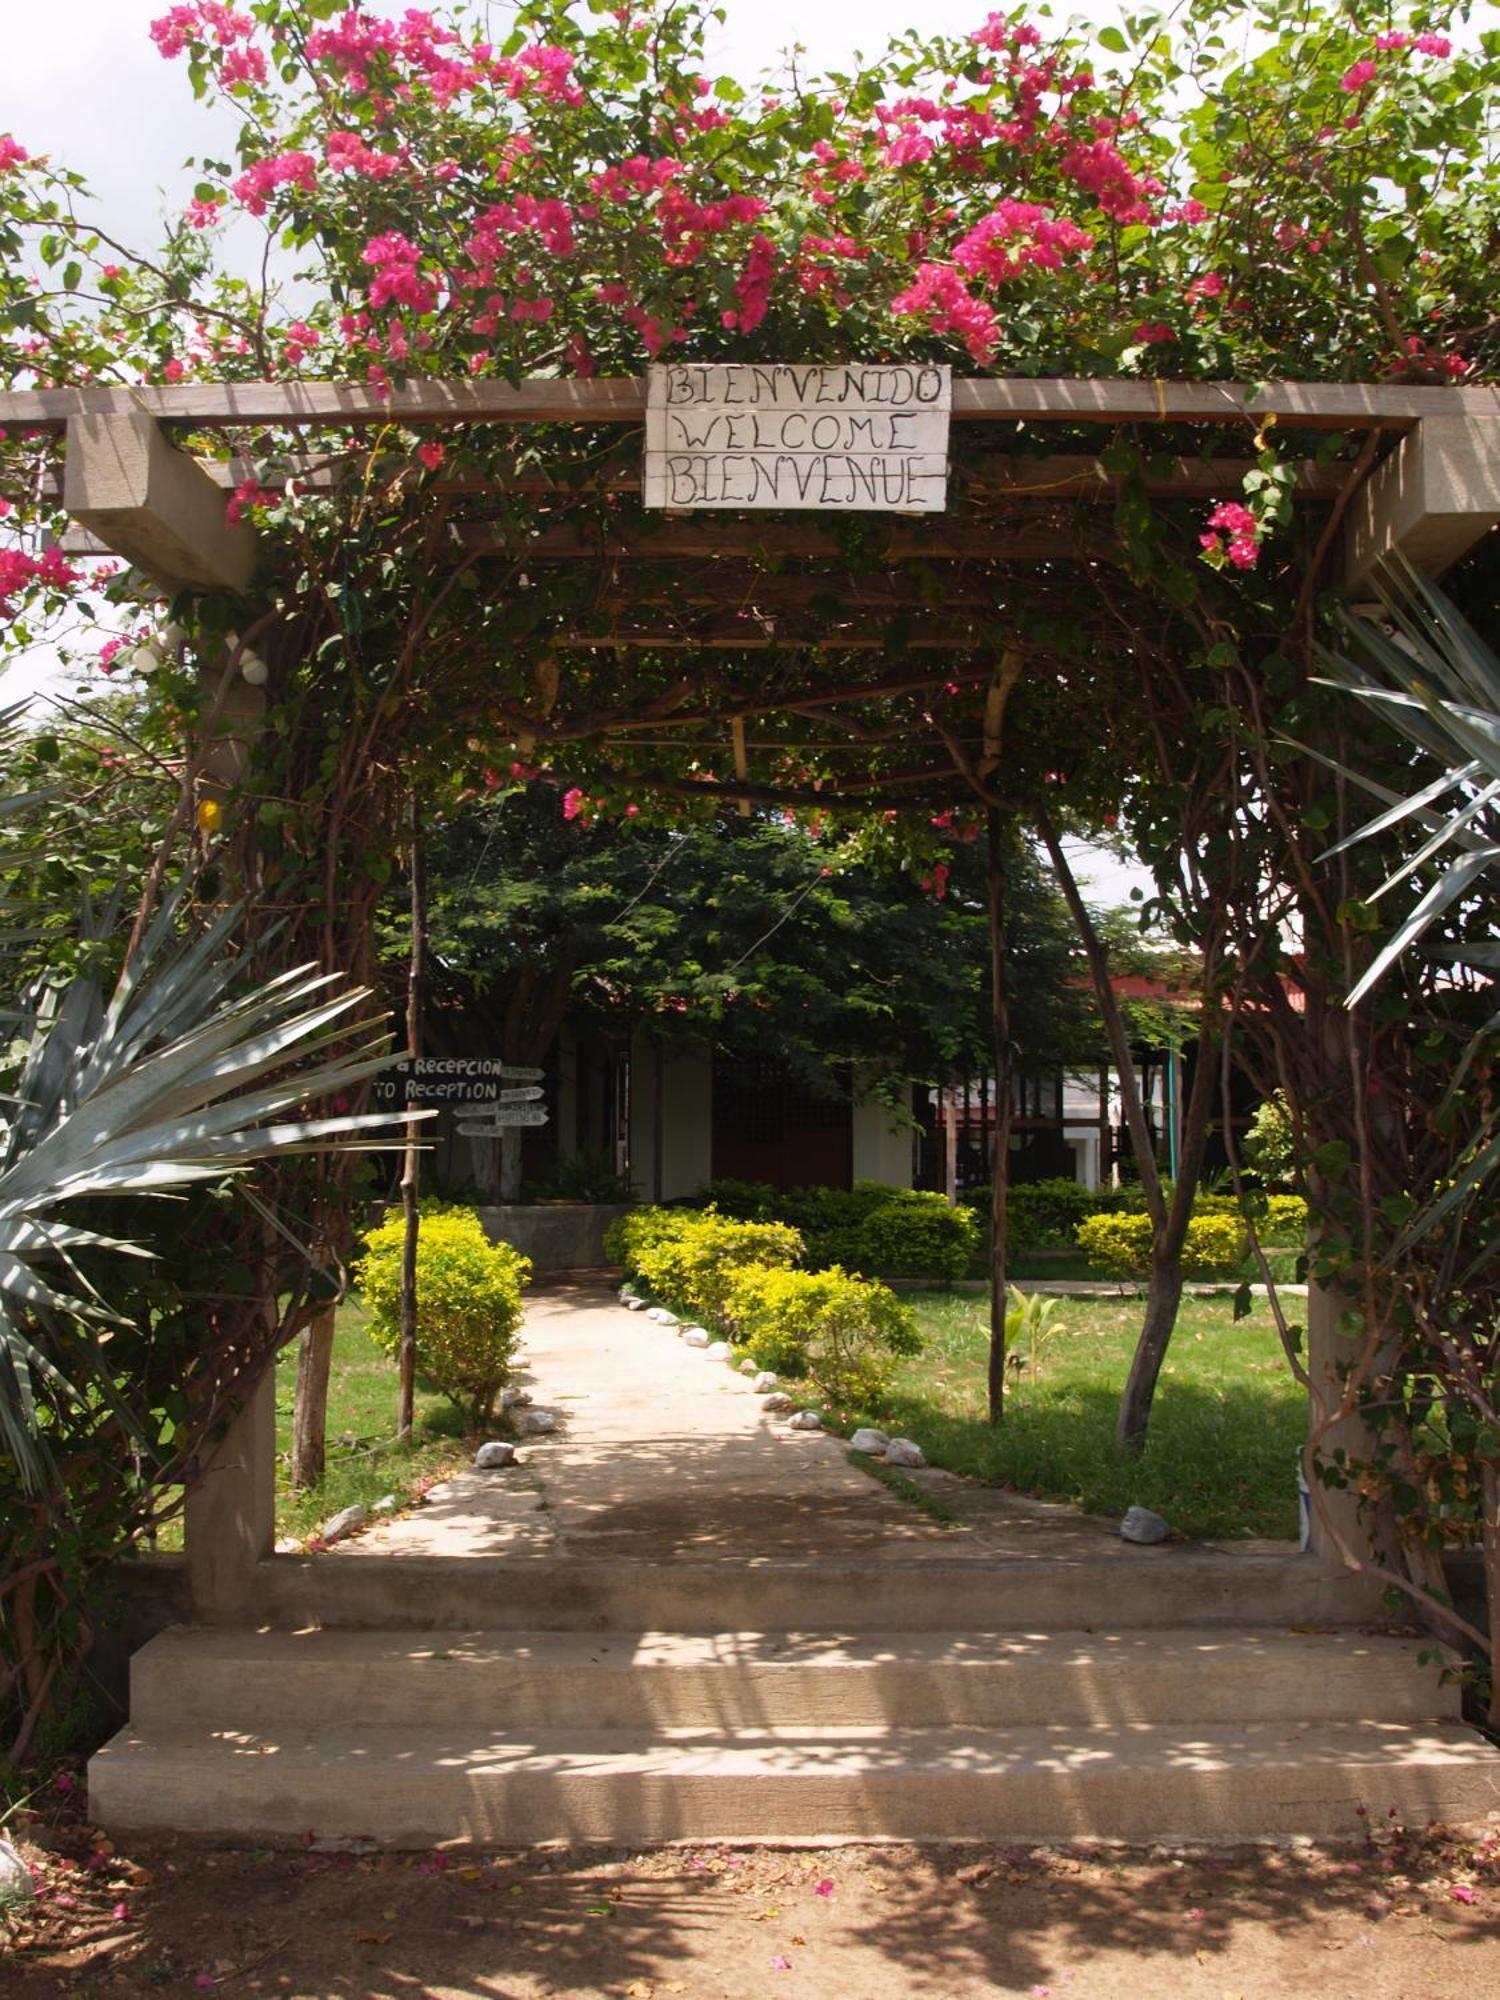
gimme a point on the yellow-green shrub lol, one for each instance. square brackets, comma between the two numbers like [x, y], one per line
[842, 1333]
[689, 1263]
[468, 1304]
[1120, 1245]
[916, 1235]
[1286, 1220]
[630, 1234]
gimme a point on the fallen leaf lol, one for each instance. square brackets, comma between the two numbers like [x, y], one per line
[372, 1937]
[640, 1989]
[471, 1874]
[980, 1871]
[600, 1910]
[824, 1888]
[470, 1921]
[779, 1963]
[1462, 1893]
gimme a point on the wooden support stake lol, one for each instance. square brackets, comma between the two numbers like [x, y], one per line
[412, 1158]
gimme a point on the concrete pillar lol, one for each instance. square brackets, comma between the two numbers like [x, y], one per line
[230, 1523]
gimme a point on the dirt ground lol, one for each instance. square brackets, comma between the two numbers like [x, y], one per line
[1405, 1915]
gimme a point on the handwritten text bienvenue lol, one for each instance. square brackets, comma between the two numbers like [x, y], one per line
[737, 434]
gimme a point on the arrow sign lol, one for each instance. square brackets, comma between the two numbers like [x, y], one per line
[482, 1124]
[515, 1074]
[527, 1095]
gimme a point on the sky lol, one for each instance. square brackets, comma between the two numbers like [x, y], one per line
[82, 82]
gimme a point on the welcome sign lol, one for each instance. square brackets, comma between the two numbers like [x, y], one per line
[861, 437]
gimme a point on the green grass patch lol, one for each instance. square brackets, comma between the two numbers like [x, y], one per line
[1227, 1421]
[365, 1460]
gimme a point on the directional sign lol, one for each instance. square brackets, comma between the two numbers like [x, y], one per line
[527, 1094]
[503, 1123]
[480, 1122]
[473, 1080]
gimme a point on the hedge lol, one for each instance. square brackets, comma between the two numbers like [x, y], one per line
[845, 1334]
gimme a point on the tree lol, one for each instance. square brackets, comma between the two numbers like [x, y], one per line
[846, 946]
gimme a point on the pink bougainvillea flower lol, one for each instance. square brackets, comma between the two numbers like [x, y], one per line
[780, 1962]
[1462, 1893]
[1433, 45]
[825, 1887]
[1357, 75]
[11, 155]
[431, 454]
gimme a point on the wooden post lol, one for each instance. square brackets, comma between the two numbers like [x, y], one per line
[412, 1158]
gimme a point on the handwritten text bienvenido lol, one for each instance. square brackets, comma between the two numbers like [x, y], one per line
[741, 434]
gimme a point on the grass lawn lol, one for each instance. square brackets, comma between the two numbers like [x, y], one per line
[364, 1459]
[1226, 1425]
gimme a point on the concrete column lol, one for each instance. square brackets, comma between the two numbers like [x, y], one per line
[230, 1522]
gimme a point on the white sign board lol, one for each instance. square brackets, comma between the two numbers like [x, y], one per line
[860, 438]
[488, 1122]
[453, 1080]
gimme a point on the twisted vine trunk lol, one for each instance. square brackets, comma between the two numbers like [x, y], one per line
[1004, 1064]
[1164, 1287]
[412, 1159]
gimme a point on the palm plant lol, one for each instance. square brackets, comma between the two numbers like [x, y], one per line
[1431, 677]
[178, 1077]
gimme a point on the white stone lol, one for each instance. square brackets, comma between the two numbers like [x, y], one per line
[1141, 1525]
[661, 1316]
[873, 1442]
[514, 1399]
[287, 1545]
[386, 1504]
[720, 1350]
[806, 1420]
[748, 1368]
[626, 1294]
[764, 1382]
[696, 1336]
[344, 1523]
[692, 1326]
[902, 1451]
[537, 1423]
[635, 1305]
[497, 1453]
[15, 1877]
[777, 1405]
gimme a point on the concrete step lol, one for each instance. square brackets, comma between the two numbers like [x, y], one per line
[1262, 1584]
[260, 1682]
[420, 1786]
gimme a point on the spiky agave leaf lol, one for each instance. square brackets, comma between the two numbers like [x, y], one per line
[181, 1077]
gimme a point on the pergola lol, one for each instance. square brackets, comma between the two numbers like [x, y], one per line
[765, 614]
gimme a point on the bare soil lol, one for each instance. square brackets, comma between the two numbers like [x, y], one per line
[1404, 1916]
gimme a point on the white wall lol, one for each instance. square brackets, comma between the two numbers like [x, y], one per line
[882, 1147]
[687, 1119]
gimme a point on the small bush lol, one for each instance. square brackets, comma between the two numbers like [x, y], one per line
[844, 1334]
[1286, 1221]
[628, 1235]
[468, 1304]
[686, 1257]
[1120, 1245]
[917, 1236]
[1044, 1215]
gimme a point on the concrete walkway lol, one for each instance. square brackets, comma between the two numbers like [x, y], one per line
[662, 1453]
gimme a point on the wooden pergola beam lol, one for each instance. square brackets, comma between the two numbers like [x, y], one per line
[1053, 475]
[621, 399]
[1431, 500]
[689, 541]
[761, 641]
[132, 491]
